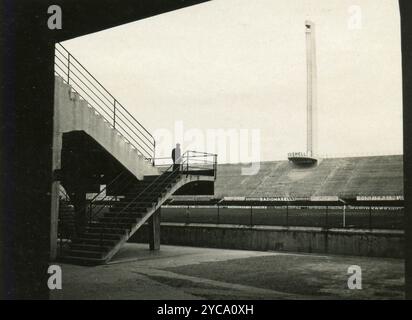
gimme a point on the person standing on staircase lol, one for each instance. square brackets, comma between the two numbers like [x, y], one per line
[176, 157]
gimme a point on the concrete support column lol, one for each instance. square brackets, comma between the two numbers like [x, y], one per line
[56, 167]
[154, 230]
[54, 219]
[55, 187]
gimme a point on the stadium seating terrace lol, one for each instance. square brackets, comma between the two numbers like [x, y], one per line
[343, 177]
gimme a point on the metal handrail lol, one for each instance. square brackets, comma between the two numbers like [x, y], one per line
[153, 191]
[132, 202]
[103, 102]
[201, 152]
[203, 155]
[186, 157]
[88, 208]
[203, 160]
[118, 179]
[153, 186]
[95, 201]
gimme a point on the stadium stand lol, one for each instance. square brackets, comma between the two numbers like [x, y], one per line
[342, 177]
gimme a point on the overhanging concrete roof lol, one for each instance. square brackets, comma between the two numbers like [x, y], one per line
[81, 17]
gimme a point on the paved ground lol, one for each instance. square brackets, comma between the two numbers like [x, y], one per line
[199, 273]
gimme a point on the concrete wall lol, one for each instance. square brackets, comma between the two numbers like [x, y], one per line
[74, 114]
[377, 243]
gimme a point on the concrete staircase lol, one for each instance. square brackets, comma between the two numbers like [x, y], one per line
[103, 237]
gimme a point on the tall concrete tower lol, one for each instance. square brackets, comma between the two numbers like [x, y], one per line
[311, 88]
[308, 157]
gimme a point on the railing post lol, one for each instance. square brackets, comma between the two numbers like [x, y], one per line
[114, 114]
[68, 69]
[154, 152]
[370, 217]
[287, 215]
[215, 165]
[251, 216]
[344, 215]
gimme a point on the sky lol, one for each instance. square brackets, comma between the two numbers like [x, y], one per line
[238, 68]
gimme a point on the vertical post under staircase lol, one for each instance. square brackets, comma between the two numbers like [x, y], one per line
[154, 230]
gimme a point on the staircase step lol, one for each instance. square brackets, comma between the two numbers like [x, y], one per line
[133, 195]
[114, 224]
[85, 254]
[129, 210]
[119, 231]
[150, 193]
[139, 210]
[90, 247]
[96, 241]
[150, 187]
[133, 206]
[128, 215]
[119, 219]
[148, 198]
[99, 235]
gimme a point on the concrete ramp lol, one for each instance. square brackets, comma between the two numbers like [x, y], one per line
[72, 113]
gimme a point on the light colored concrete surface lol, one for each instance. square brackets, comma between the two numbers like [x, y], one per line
[174, 256]
[126, 277]
[74, 114]
[200, 273]
[112, 282]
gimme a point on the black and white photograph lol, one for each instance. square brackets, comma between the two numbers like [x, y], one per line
[223, 150]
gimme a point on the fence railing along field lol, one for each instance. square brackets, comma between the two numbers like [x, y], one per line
[325, 217]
